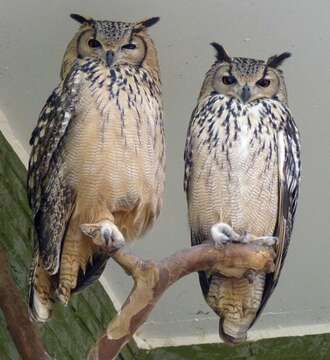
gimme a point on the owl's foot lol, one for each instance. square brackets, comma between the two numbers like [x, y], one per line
[104, 233]
[223, 233]
[261, 240]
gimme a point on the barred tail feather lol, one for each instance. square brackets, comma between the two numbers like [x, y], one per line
[39, 302]
[236, 301]
[232, 332]
[38, 311]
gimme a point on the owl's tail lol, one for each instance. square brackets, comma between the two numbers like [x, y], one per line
[39, 301]
[236, 301]
[233, 332]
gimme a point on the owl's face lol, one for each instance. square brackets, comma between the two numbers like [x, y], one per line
[113, 42]
[248, 79]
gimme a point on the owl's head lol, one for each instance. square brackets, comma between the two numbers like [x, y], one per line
[246, 79]
[114, 42]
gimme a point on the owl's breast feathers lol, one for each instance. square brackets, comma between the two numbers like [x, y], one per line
[118, 137]
[231, 164]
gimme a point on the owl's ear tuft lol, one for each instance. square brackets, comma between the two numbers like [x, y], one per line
[277, 60]
[146, 23]
[81, 19]
[221, 54]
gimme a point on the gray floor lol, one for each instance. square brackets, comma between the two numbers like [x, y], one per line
[33, 35]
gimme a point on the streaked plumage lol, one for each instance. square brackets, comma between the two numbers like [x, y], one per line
[97, 156]
[242, 168]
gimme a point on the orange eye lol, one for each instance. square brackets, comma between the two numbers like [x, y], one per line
[94, 44]
[229, 80]
[263, 82]
[129, 46]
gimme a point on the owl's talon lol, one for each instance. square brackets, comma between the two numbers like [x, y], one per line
[107, 236]
[266, 241]
[223, 233]
[246, 238]
[63, 294]
[104, 233]
[250, 275]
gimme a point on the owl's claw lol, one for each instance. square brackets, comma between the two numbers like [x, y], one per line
[63, 294]
[104, 233]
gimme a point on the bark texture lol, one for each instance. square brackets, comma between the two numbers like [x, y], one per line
[21, 329]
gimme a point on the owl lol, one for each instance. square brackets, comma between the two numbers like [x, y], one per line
[96, 170]
[242, 174]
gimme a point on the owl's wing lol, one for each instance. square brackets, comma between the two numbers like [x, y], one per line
[289, 180]
[191, 146]
[50, 196]
[188, 154]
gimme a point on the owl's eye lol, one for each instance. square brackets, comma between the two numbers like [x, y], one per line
[94, 44]
[129, 46]
[229, 80]
[263, 82]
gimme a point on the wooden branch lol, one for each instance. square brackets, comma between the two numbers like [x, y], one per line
[151, 279]
[21, 329]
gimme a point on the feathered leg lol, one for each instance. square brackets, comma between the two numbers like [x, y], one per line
[78, 249]
[69, 263]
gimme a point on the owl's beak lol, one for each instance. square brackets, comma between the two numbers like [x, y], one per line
[246, 93]
[109, 56]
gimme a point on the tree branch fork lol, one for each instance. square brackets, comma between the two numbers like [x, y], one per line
[152, 279]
